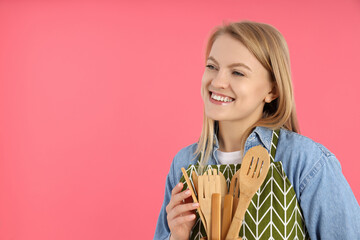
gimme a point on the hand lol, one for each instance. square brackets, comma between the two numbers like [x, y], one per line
[181, 213]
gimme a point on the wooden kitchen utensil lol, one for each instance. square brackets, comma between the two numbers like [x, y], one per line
[235, 191]
[223, 188]
[227, 215]
[194, 199]
[195, 181]
[208, 184]
[254, 169]
[216, 216]
[229, 204]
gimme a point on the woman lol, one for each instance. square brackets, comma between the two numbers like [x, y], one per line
[248, 101]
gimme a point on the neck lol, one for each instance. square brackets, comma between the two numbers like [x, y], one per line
[230, 136]
[231, 133]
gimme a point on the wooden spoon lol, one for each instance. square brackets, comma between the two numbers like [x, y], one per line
[254, 169]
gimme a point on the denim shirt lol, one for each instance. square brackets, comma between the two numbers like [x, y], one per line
[329, 206]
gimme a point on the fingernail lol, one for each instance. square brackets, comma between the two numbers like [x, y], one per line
[192, 216]
[179, 184]
[187, 192]
[195, 205]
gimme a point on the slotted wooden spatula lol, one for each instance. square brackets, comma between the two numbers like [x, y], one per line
[254, 169]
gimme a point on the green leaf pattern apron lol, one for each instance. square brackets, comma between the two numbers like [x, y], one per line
[274, 212]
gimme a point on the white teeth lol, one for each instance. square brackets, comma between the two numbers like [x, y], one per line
[222, 99]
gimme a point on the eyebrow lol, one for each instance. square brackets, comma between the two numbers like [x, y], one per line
[231, 65]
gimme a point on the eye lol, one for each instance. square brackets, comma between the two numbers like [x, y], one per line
[210, 66]
[238, 73]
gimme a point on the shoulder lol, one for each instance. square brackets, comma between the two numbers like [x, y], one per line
[182, 159]
[316, 175]
[186, 155]
[302, 158]
[301, 143]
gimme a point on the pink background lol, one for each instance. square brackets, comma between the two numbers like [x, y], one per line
[97, 97]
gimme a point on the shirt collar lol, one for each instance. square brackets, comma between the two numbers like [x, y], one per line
[259, 136]
[265, 135]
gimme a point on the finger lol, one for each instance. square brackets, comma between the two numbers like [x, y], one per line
[174, 191]
[177, 199]
[182, 209]
[180, 197]
[181, 220]
[177, 189]
[189, 199]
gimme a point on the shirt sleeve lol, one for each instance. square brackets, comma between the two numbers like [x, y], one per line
[162, 230]
[329, 206]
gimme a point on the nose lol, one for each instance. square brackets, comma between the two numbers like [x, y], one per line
[221, 80]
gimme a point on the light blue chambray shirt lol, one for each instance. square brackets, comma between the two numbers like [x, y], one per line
[329, 206]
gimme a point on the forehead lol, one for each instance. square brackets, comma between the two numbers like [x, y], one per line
[227, 50]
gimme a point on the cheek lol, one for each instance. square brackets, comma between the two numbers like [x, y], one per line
[249, 92]
[259, 90]
[241, 90]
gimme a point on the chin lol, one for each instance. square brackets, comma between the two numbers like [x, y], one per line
[215, 117]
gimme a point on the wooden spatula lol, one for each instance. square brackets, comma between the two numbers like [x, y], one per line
[223, 188]
[254, 169]
[209, 183]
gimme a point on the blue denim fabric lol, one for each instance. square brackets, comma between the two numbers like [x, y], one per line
[329, 206]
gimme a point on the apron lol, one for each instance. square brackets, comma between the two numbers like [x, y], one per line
[273, 213]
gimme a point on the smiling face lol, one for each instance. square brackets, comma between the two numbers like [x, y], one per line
[233, 71]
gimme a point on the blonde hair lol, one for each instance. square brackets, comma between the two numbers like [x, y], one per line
[267, 44]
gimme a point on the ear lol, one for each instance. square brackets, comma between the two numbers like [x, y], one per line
[272, 95]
